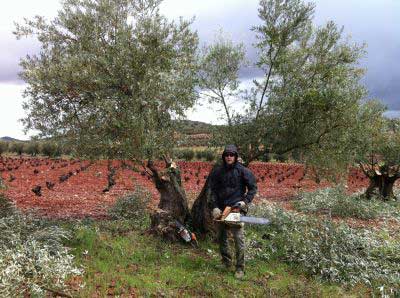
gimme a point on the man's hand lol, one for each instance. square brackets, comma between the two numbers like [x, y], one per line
[242, 205]
[216, 213]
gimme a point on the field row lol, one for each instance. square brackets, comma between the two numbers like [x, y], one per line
[74, 188]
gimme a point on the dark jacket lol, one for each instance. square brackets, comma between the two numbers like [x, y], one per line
[230, 182]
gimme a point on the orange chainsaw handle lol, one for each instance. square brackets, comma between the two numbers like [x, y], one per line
[227, 211]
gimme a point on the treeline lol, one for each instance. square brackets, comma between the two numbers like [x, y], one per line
[189, 154]
[34, 148]
[53, 149]
[189, 127]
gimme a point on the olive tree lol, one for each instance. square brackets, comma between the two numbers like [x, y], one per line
[109, 79]
[378, 153]
[219, 64]
[3, 147]
[308, 102]
[17, 147]
[32, 148]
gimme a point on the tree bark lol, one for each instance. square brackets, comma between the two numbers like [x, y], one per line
[173, 204]
[383, 183]
[202, 221]
[387, 189]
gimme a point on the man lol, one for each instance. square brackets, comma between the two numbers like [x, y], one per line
[232, 184]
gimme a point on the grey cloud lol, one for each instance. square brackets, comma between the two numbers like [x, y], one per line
[370, 21]
[375, 23]
[11, 52]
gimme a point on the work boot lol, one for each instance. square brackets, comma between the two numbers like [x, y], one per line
[239, 274]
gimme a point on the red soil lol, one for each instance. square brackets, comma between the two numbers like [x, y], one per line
[81, 195]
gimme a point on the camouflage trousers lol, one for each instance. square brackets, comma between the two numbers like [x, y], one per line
[237, 233]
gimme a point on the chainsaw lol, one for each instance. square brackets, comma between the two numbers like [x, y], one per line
[232, 216]
[185, 234]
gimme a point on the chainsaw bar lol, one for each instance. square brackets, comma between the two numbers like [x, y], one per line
[254, 220]
[235, 218]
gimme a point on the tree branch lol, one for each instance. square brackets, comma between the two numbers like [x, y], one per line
[364, 170]
[167, 160]
[57, 293]
[308, 144]
[153, 169]
[226, 107]
[145, 170]
[267, 82]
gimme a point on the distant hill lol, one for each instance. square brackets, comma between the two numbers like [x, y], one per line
[194, 133]
[189, 127]
[9, 139]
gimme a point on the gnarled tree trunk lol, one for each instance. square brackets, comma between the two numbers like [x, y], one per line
[381, 179]
[383, 183]
[202, 221]
[173, 204]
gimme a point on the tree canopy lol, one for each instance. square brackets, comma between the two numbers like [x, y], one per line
[310, 100]
[110, 76]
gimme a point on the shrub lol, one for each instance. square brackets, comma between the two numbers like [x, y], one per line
[266, 157]
[32, 257]
[281, 157]
[177, 153]
[3, 147]
[50, 149]
[209, 155]
[186, 154]
[67, 149]
[334, 252]
[32, 148]
[336, 202]
[7, 207]
[17, 147]
[200, 154]
[132, 207]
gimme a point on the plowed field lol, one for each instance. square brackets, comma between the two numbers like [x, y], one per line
[60, 188]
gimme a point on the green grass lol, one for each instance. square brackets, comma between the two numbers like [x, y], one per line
[121, 261]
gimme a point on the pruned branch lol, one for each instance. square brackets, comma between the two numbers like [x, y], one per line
[153, 169]
[364, 170]
[146, 171]
[267, 81]
[167, 160]
[57, 293]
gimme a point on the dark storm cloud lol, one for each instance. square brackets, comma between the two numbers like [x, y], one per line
[375, 23]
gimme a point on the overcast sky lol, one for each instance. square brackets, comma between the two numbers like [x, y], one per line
[375, 22]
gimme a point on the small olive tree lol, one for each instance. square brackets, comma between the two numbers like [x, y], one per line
[378, 152]
[3, 147]
[50, 149]
[219, 64]
[109, 78]
[32, 148]
[17, 147]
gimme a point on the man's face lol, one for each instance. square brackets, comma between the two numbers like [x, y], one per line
[229, 158]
